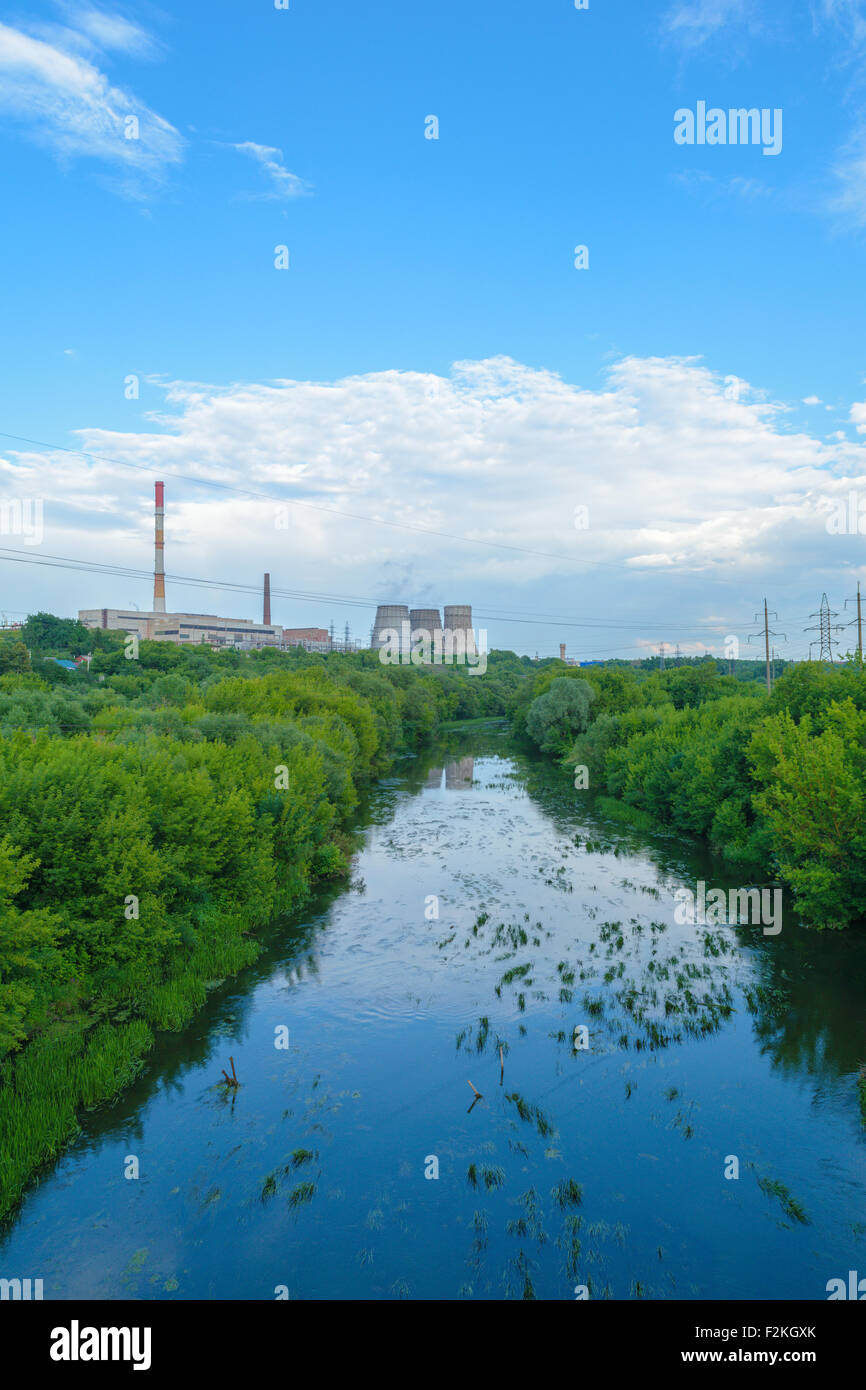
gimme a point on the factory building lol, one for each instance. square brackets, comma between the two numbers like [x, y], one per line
[196, 629]
[191, 629]
[454, 636]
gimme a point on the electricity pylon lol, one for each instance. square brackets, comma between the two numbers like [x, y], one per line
[825, 627]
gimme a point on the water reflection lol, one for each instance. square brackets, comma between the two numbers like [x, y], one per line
[459, 774]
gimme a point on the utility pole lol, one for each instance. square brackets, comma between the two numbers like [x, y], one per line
[767, 634]
[859, 621]
[825, 629]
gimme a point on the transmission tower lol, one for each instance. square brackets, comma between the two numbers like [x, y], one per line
[825, 627]
[767, 633]
[859, 621]
[347, 636]
[661, 656]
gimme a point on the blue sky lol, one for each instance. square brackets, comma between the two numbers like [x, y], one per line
[664, 387]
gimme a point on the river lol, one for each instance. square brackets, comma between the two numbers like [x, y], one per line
[605, 1167]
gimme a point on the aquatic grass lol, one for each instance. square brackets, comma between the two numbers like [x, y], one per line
[517, 972]
[42, 1089]
[530, 1114]
[567, 1193]
[771, 1187]
[303, 1193]
[492, 1176]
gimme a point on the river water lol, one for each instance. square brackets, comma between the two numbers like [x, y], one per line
[599, 1167]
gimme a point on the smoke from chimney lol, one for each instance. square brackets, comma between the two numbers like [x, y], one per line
[159, 551]
[267, 607]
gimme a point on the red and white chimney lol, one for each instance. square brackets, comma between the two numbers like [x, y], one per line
[159, 551]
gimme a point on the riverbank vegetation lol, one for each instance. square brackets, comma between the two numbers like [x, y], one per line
[157, 812]
[776, 784]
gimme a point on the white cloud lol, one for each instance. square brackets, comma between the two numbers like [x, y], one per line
[697, 503]
[812, 400]
[112, 31]
[692, 22]
[848, 14]
[284, 184]
[850, 174]
[63, 102]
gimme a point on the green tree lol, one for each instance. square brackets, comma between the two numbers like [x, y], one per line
[27, 941]
[554, 719]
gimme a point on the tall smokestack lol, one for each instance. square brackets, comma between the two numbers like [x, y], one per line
[159, 551]
[267, 613]
[562, 651]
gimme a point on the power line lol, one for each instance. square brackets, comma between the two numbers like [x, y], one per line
[335, 511]
[12, 555]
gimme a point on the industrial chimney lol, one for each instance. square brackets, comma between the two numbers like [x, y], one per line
[159, 551]
[266, 617]
[562, 651]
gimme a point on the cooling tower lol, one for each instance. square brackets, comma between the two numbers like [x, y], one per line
[458, 620]
[426, 619]
[389, 617]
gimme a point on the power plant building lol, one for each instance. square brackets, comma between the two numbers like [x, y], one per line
[399, 628]
[454, 636]
[196, 629]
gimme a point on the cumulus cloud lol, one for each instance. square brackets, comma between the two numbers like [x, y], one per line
[695, 502]
[64, 102]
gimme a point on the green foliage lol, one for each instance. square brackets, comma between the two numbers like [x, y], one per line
[812, 792]
[43, 632]
[27, 946]
[156, 813]
[776, 784]
[553, 719]
[14, 657]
